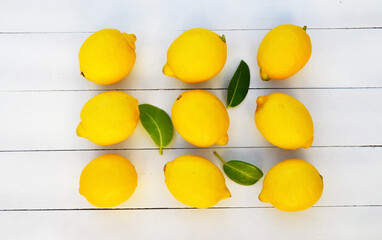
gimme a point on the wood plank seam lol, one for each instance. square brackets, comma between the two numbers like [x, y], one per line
[169, 208]
[217, 29]
[179, 148]
[186, 89]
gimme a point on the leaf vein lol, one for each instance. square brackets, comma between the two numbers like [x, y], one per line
[156, 125]
[242, 172]
[236, 86]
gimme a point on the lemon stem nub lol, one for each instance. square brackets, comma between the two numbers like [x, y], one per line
[264, 76]
[80, 130]
[260, 100]
[304, 28]
[131, 39]
[309, 142]
[168, 71]
[223, 38]
[223, 140]
[220, 158]
[227, 194]
[262, 197]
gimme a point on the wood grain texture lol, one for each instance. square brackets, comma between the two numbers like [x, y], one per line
[50, 180]
[72, 15]
[315, 223]
[48, 120]
[340, 59]
[42, 93]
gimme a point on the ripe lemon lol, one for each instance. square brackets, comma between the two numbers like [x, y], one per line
[200, 118]
[109, 118]
[195, 181]
[292, 185]
[108, 180]
[284, 121]
[196, 56]
[283, 52]
[107, 56]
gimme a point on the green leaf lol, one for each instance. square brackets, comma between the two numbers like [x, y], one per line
[241, 172]
[158, 124]
[238, 86]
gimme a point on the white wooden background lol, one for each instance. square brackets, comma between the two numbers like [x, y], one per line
[42, 93]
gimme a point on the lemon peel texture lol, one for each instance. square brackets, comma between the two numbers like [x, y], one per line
[107, 56]
[200, 118]
[109, 118]
[284, 121]
[283, 52]
[195, 181]
[292, 185]
[197, 55]
[108, 180]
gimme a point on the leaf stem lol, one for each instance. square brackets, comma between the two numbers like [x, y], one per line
[161, 150]
[218, 156]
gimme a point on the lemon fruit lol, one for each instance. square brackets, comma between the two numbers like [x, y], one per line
[283, 52]
[108, 180]
[109, 118]
[197, 55]
[292, 185]
[284, 121]
[200, 118]
[107, 56]
[195, 181]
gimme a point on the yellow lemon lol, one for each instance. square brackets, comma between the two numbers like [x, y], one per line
[200, 118]
[109, 118]
[292, 185]
[195, 181]
[284, 121]
[196, 56]
[283, 52]
[107, 56]
[108, 180]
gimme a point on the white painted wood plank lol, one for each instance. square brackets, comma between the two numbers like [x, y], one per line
[50, 61]
[316, 223]
[89, 15]
[39, 180]
[48, 120]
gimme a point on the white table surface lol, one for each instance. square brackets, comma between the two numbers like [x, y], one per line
[42, 93]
